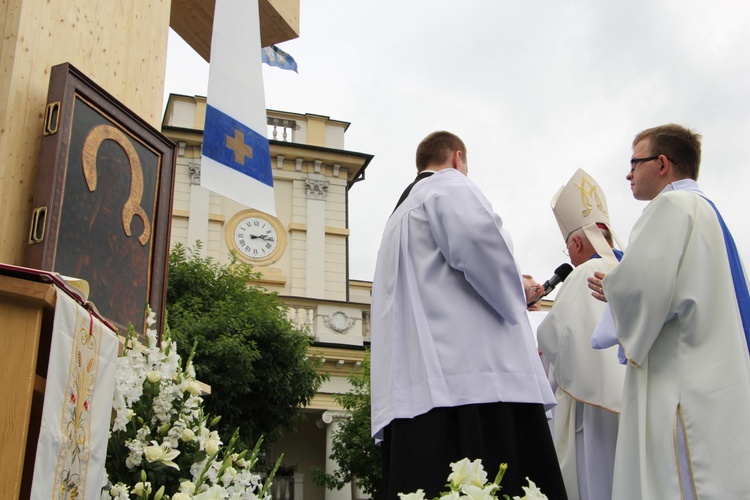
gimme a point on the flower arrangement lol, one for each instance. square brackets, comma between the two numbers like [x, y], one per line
[468, 480]
[161, 445]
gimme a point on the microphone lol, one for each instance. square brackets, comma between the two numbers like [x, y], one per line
[558, 277]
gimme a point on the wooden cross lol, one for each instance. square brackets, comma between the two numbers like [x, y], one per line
[237, 144]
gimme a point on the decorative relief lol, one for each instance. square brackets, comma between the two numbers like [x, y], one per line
[195, 173]
[89, 154]
[315, 189]
[339, 322]
[331, 416]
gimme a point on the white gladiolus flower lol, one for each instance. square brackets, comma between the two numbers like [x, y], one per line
[215, 492]
[151, 318]
[418, 495]
[451, 495]
[468, 481]
[228, 476]
[467, 473]
[532, 492]
[187, 487]
[119, 491]
[478, 492]
[212, 443]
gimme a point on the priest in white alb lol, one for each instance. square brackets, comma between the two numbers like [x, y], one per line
[455, 372]
[589, 382]
[679, 302]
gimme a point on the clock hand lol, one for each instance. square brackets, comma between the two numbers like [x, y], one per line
[263, 237]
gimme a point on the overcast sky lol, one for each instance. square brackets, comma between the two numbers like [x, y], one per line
[536, 90]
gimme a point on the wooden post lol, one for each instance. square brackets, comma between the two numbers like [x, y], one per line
[26, 315]
[120, 45]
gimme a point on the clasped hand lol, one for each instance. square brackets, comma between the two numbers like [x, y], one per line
[596, 286]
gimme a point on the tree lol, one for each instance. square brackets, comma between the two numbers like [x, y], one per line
[353, 447]
[252, 356]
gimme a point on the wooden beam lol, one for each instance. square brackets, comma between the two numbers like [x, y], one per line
[193, 21]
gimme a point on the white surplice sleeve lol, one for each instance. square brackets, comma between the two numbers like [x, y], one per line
[472, 239]
[605, 336]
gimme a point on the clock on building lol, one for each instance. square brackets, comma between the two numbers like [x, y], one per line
[257, 237]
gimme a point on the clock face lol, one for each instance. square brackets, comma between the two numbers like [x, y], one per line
[255, 237]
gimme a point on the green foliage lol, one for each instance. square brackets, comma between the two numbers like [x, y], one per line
[252, 356]
[353, 447]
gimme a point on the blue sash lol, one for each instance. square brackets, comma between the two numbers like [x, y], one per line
[618, 255]
[738, 277]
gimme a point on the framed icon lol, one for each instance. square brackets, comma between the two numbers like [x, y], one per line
[102, 203]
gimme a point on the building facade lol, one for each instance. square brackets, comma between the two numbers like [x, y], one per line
[306, 262]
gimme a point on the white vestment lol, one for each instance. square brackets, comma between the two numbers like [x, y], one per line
[687, 386]
[449, 323]
[589, 387]
[72, 446]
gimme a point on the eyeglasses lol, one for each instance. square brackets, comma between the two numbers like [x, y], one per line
[567, 245]
[635, 161]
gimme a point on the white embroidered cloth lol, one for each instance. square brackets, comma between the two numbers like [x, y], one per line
[72, 446]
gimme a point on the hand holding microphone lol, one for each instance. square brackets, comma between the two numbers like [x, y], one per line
[558, 277]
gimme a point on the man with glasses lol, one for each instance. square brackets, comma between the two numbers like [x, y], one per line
[588, 383]
[681, 312]
[455, 372]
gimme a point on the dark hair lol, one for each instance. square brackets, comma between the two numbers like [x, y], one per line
[681, 145]
[437, 147]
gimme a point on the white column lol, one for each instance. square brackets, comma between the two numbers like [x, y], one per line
[332, 419]
[299, 485]
[316, 188]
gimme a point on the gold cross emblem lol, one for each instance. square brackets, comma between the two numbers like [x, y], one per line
[237, 144]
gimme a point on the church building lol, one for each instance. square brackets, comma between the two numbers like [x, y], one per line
[306, 262]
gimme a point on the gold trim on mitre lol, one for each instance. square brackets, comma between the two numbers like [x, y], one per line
[581, 204]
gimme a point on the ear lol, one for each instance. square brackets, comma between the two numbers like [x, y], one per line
[456, 159]
[666, 167]
[577, 243]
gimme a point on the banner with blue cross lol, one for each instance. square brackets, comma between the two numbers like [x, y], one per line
[236, 161]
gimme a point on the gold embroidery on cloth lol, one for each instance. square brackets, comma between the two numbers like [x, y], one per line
[588, 191]
[75, 424]
[675, 430]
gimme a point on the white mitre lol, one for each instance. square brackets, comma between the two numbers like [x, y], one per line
[581, 204]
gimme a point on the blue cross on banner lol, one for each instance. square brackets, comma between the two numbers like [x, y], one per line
[236, 160]
[237, 146]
